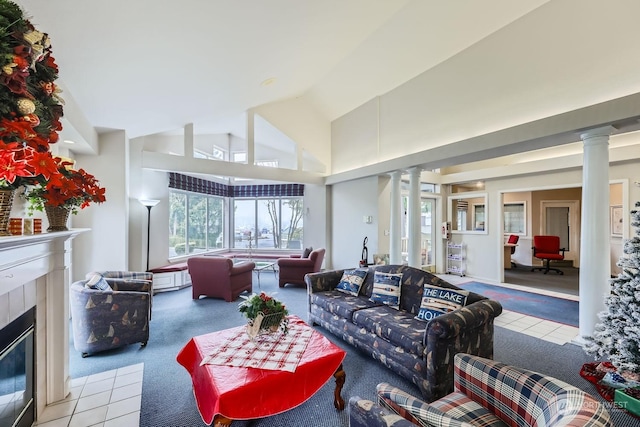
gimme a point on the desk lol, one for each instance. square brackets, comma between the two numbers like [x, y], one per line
[507, 254]
[226, 393]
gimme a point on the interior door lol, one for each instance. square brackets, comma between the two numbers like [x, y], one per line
[558, 224]
[562, 218]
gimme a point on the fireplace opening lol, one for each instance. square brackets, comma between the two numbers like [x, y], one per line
[17, 371]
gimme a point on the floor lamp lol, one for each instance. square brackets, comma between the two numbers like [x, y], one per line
[149, 203]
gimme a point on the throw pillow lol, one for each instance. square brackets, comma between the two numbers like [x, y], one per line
[306, 252]
[437, 301]
[386, 288]
[97, 282]
[352, 281]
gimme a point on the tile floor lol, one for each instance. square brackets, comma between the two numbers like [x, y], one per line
[113, 398]
[107, 399]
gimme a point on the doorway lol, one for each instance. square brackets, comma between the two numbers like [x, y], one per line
[562, 218]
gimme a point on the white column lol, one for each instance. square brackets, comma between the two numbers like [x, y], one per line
[595, 270]
[414, 218]
[188, 141]
[395, 232]
[250, 138]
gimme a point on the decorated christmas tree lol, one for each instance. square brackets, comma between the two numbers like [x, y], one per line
[617, 336]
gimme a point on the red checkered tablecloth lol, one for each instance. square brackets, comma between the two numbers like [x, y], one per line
[241, 393]
[271, 351]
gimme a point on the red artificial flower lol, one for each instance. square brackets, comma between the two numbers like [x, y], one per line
[16, 130]
[51, 63]
[16, 82]
[21, 63]
[53, 137]
[12, 168]
[44, 164]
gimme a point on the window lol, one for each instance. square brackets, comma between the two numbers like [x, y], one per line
[478, 217]
[196, 223]
[274, 223]
[514, 218]
[468, 213]
[203, 217]
[240, 157]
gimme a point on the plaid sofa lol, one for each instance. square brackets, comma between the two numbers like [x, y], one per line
[420, 351]
[487, 393]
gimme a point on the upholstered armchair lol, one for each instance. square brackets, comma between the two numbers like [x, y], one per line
[482, 386]
[118, 279]
[218, 277]
[113, 315]
[293, 269]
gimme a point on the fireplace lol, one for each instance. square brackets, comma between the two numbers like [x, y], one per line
[17, 371]
[34, 292]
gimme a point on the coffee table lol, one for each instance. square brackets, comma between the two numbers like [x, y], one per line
[227, 393]
[264, 265]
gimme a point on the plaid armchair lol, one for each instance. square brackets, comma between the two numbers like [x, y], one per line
[487, 393]
[111, 318]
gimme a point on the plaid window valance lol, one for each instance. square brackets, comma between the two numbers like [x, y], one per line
[269, 190]
[198, 185]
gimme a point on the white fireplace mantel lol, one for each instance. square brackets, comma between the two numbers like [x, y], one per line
[35, 270]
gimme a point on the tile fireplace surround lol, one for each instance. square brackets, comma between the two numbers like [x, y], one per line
[34, 271]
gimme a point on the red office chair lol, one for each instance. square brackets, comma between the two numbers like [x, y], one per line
[513, 239]
[547, 248]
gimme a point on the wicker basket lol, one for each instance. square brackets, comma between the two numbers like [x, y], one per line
[269, 324]
[57, 216]
[6, 202]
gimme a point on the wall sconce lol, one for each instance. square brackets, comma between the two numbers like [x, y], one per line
[149, 203]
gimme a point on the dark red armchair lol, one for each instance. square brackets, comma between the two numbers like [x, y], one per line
[547, 248]
[218, 277]
[293, 269]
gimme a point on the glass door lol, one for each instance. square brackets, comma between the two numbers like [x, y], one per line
[427, 228]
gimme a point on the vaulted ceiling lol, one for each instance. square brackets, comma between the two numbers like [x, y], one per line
[149, 66]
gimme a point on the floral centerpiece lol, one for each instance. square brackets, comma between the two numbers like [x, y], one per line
[68, 190]
[265, 313]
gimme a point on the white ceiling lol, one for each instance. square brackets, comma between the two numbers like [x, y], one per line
[149, 66]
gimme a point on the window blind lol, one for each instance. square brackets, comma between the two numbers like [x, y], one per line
[198, 185]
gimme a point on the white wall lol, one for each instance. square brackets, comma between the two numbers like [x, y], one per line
[515, 75]
[297, 119]
[350, 201]
[316, 225]
[106, 247]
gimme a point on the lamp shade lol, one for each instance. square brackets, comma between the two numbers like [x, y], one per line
[149, 202]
